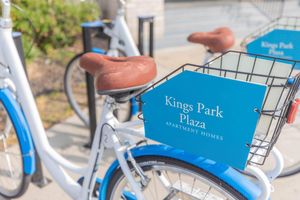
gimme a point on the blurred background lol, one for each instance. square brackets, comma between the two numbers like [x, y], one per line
[51, 34]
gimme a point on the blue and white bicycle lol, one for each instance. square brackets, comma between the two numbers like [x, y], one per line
[139, 172]
[121, 44]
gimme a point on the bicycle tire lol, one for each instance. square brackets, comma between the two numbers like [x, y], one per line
[161, 164]
[287, 171]
[69, 72]
[11, 154]
[290, 171]
[294, 168]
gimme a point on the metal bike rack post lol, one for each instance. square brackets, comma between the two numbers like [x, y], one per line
[87, 28]
[17, 36]
[142, 20]
[38, 177]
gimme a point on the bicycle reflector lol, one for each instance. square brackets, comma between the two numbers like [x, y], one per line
[293, 111]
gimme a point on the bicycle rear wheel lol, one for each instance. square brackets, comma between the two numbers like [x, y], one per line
[75, 89]
[13, 182]
[172, 179]
[288, 145]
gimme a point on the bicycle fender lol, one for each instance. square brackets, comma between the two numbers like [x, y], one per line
[22, 130]
[224, 172]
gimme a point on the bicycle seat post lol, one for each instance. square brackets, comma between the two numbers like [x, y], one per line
[121, 8]
[87, 46]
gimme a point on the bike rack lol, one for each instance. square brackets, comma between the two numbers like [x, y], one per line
[17, 36]
[87, 30]
[271, 9]
[286, 23]
[38, 177]
[142, 21]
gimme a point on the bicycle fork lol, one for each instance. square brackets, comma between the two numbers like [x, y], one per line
[120, 153]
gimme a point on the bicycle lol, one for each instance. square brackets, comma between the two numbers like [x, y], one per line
[217, 41]
[222, 39]
[121, 44]
[285, 23]
[137, 170]
[219, 66]
[30, 136]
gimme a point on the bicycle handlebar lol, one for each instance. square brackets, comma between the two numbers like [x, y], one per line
[5, 9]
[123, 2]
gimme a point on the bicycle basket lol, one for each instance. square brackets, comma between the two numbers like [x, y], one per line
[285, 23]
[270, 8]
[275, 73]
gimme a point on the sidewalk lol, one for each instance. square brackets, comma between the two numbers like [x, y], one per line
[69, 137]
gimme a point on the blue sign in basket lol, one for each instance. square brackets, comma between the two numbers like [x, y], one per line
[278, 43]
[206, 115]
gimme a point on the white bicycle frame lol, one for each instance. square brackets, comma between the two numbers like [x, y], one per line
[11, 67]
[121, 38]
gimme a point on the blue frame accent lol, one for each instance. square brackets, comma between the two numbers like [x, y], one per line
[222, 171]
[98, 50]
[22, 130]
[93, 24]
[134, 106]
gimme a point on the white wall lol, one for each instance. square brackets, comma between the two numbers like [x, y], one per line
[137, 8]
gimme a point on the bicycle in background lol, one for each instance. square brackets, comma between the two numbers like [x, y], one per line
[121, 45]
[215, 42]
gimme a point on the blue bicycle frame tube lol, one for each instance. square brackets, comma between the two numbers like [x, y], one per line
[134, 106]
[22, 130]
[98, 50]
[222, 171]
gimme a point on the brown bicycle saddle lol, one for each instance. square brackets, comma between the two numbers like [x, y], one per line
[217, 41]
[118, 73]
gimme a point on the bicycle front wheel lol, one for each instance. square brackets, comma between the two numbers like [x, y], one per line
[13, 182]
[75, 89]
[171, 179]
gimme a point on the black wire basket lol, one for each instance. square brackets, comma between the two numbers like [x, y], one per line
[269, 8]
[287, 23]
[275, 73]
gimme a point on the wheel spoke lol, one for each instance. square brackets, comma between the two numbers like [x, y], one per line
[171, 195]
[155, 184]
[11, 167]
[186, 185]
[193, 185]
[207, 193]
